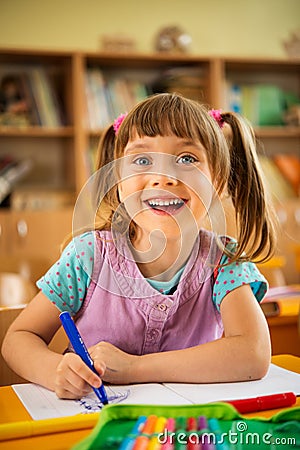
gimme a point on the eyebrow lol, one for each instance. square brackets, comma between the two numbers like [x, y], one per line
[188, 143]
[142, 146]
[136, 146]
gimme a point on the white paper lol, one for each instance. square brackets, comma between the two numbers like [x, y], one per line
[44, 404]
[277, 381]
[152, 394]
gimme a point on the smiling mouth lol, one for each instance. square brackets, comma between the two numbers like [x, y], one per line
[169, 206]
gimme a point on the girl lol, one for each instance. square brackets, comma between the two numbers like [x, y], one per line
[155, 295]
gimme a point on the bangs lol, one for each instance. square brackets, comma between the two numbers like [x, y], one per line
[165, 115]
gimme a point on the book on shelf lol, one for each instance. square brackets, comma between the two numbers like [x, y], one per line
[278, 185]
[35, 101]
[11, 174]
[282, 301]
[34, 115]
[261, 104]
[289, 166]
[187, 81]
[45, 98]
[6, 161]
[124, 94]
[97, 107]
[40, 198]
[107, 96]
[233, 97]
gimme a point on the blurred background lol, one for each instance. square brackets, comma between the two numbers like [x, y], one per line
[216, 27]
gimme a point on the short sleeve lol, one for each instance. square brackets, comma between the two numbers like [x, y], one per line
[67, 281]
[237, 274]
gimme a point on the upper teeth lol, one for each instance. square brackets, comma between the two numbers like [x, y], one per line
[174, 201]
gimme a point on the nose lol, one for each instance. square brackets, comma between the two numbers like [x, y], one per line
[164, 171]
[159, 179]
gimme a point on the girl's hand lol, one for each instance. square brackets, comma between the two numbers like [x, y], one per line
[119, 365]
[73, 378]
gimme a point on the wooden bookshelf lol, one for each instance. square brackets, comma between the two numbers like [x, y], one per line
[61, 153]
[38, 233]
[36, 131]
[278, 132]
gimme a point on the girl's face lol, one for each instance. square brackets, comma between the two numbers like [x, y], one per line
[165, 184]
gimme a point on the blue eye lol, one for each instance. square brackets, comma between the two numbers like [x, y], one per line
[142, 161]
[187, 159]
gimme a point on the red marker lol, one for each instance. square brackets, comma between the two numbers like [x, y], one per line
[263, 403]
[194, 439]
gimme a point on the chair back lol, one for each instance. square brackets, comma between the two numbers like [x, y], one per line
[29, 267]
[15, 289]
[7, 316]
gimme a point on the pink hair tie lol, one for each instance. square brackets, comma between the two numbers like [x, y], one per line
[118, 121]
[216, 114]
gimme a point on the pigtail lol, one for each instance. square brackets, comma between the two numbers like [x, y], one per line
[255, 217]
[106, 195]
[104, 205]
[110, 213]
[105, 150]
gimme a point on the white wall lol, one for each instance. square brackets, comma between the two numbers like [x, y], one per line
[217, 27]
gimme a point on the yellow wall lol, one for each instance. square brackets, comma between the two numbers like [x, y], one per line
[217, 27]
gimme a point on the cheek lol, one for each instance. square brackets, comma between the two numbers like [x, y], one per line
[201, 189]
[205, 193]
[129, 196]
[126, 188]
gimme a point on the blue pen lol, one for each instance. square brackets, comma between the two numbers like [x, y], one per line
[81, 350]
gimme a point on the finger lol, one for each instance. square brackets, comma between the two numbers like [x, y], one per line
[68, 392]
[69, 385]
[74, 376]
[83, 371]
